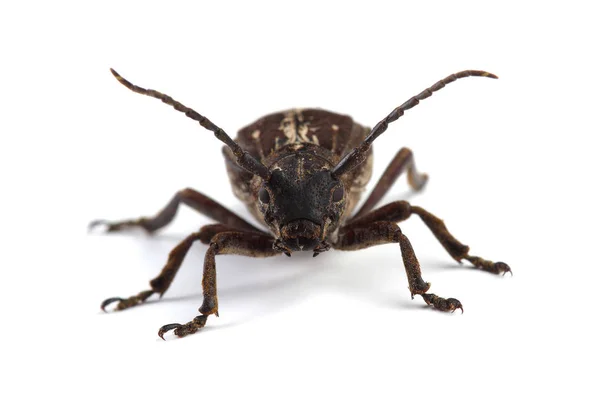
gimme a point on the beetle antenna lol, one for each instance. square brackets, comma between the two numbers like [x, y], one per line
[244, 159]
[359, 154]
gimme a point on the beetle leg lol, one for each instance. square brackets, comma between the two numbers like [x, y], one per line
[161, 283]
[403, 161]
[398, 211]
[236, 243]
[129, 302]
[359, 236]
[455, 248]
[190, 197]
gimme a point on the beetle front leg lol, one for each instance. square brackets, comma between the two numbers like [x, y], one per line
[360, 236]
[234, 243]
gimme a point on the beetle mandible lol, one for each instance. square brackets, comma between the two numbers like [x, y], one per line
[300, 173]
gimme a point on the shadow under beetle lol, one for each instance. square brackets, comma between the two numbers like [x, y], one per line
[301, 174]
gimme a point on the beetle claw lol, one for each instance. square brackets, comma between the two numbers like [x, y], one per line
[129, 302]
[455, 304]
[166, 328]
[489, 266]
[108, 301]
[443, 304]
[503, 268]
[182, 330]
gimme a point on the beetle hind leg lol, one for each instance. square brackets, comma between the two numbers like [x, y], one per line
[403, 161]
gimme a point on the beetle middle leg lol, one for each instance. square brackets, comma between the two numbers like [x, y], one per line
[399, 211]
[364, 235]
[403, 161]
[190, 197]
[162, 282]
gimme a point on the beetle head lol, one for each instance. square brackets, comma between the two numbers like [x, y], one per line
[301, 202]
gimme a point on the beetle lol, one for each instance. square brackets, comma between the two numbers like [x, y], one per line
[301, 174]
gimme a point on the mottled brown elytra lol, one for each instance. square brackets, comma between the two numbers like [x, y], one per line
[301, 174]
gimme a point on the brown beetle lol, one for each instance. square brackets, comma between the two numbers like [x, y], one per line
[300, 173]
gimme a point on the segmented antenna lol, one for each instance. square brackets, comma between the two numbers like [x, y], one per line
[244, 159]
[359, 154]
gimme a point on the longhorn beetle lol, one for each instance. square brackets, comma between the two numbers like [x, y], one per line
[301, 174]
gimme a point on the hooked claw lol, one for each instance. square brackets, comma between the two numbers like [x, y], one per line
[166, 328]
[454, 304]
[502, 267]
[109, 301]
[129, 302]
[489, 266]
[182, 330]
[443, 304]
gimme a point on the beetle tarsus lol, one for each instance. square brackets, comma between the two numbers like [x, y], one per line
[122, 225]
[182, 330]
[489, 266]
[127, 303]
[443, 304]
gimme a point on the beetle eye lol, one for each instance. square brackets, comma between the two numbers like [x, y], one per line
[338, 194]
[263, 195]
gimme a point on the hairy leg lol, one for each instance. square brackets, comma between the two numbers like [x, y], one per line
[190, 197]
[162, 282]
[233, 243]
[364, 235]
[398, 211]
[403, 161]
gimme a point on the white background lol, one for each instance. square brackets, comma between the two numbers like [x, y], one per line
[513, 172]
